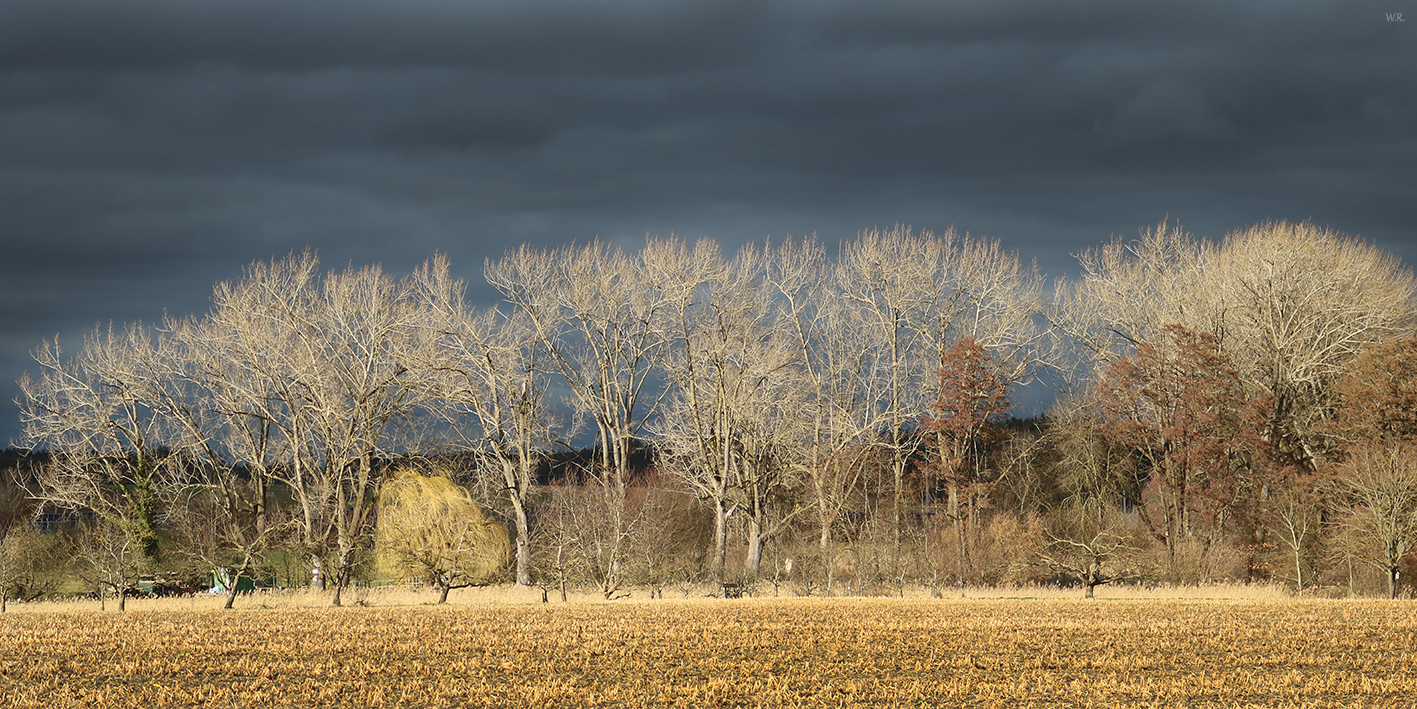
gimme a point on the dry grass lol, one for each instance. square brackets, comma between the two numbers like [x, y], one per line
[400, 596]
[1206, 592]
[263, 599]
[506, 651]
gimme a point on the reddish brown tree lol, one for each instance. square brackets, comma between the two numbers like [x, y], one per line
[1377, 398]
[1194, 435]
[964, 422]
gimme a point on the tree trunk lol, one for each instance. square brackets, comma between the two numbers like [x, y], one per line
[754, 560]
[720, 537]
[443, 596]
[618, 477]
[235, 581]
[1088, 593]
[523, 543]
[122, 599]
[952, 510]
[898, 471]
[344, 568]
[317, 575]
[1392, 575]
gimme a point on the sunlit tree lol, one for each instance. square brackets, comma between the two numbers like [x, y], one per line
[429, 529]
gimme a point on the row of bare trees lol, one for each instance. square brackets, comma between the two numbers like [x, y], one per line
[832, 414]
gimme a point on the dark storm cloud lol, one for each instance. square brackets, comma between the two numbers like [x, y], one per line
[149, 148]
[281, 36]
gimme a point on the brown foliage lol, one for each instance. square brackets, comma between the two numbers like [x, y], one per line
[1193, 431]
[1377, 398]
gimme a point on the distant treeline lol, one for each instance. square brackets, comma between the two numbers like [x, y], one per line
[1233, 410]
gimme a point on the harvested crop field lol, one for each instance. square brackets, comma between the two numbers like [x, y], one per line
[769, 653]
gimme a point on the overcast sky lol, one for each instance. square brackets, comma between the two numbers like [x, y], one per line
[150, 148]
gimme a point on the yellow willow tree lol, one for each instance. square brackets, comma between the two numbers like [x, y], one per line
[429, 529]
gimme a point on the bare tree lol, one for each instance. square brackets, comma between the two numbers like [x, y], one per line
[964, 422]
[331, 360]
[108, 558]
[585, 537]
[556, 551]
[23, 552]
[216, 402]
[992, 297]
[710, 316]
[1095, 559]
[1129, 291]
[27, 565]
[216, 528]
[732, 429]
[592, 310]
[1376, 399]
[490, 391]
[889, 281]
[1183, 413]
[1381, 486]
[1091, 474]
[1290, 303]
[916, 295]
[669, 543]
[838, 366]
[765, 444]
[1299, 302]
[1296, 522]
[109, 447]
[259, 368]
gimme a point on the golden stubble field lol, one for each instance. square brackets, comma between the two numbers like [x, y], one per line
[705, 653]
